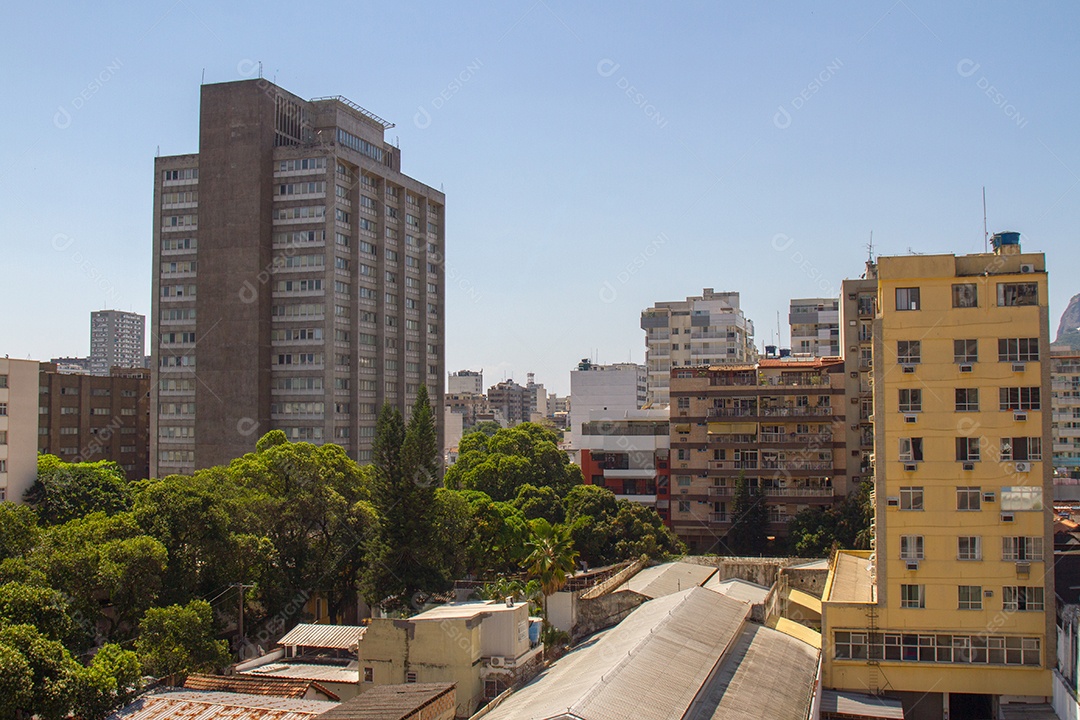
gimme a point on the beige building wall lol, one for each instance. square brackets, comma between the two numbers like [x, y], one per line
[18, 427]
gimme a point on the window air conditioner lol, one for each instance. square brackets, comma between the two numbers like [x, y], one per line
[1018, 367]
[969, 466]
[911, 467]
[966, 367]
[1020, 416]
[908, 368]
[911, 418]
[1027, 269]
[912, 564]
[1023, 467]
[1007, 517]
[989, 497]
[892, 502]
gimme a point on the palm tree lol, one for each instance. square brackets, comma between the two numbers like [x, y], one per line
[551, 557]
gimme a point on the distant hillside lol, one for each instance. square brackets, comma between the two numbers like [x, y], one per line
[1068, 333]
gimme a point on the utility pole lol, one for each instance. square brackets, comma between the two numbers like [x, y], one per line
[240, 644]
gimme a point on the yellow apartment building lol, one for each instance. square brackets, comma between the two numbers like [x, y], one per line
[953, 609]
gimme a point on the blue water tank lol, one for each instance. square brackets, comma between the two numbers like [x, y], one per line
[534, 633]
[1004, 238]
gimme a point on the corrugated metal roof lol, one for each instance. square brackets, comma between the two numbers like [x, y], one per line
[669, 578]
[738, 589]
[169, 704]
[305, 671]
[649, 667]
[296, 688]
[338, 637]
[389, 702]
[859, 705]
[766, 674]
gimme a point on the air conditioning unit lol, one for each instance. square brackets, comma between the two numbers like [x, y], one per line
[989, 497]
[1007, 517]
[912, 564]
[1026, 269]
[1023, 568]
[892, 502]
[908, 368]
[497, 661]
[911, 467]
[966, 367]
[909, 418]
[1023, 467]
[969, 466]
[988, 593]
[1019, 416]
[1018, 367]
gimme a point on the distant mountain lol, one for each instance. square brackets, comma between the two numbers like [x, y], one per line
[1069, 328]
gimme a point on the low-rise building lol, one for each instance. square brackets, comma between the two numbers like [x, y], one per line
[325, 654]
[483, 647]
[604, 392]
[411, 701]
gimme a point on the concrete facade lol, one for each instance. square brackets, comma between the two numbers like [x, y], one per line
[779, 423]
[957, 595]
[117, 339]
[18, 427]
[604, 392]
[815, 326]
[466, 381]
[301, 270]
[709, 329]
[86, 418]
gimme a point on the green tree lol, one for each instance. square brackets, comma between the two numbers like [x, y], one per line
[543, 502]
[131, 572]
[19, 531]
[748, 534]
[177, 640]
[16, 682]
[499, 465]
[108, 682]
[65, 491]
[551, 557]
[815, 532]
[498, 531]
[607, 530]
[53, 673]
[42, 607]
[487, 427]
[412, 557]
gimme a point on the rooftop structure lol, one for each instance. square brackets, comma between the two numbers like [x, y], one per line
[168, 703]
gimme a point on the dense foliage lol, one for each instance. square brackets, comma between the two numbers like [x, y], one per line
[815, 532]
[103, 581]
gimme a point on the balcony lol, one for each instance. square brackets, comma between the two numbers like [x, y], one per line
[802, 438]
[786, 411]
[725, 491]
[719, 518]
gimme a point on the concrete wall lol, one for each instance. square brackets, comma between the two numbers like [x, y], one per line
[605, 611]
[1065, 703]
[20, 395]
[809, 581]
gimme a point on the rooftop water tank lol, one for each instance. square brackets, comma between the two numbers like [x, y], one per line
[1004, 238]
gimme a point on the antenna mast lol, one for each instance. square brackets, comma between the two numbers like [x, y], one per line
[986, 235]
[870, 248]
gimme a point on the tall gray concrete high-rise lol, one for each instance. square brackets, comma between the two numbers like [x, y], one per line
[298, 279]
[117, 339]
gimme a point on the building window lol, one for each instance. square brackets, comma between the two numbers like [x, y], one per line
[1013, 294]
[912, 596]
[3, 437]
[1027, 449]
[911, 547]
[911, 498]
[684, 506]
[1022, 598]
[910, 400]
[968, 498]
[969, 547]
[1022, 549]
[3, 409]
[965, 351]
[908, 352]
[980, 649]
[683, 403]
[3, 381]
[967, 449]
[967, 399]
[1019, 398]
[369, 674]
[907, 298]
[1018, 349]
[965, 295]
[911, 449]
[969, 597]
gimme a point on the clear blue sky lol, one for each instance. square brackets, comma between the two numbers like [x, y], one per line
[597, 157]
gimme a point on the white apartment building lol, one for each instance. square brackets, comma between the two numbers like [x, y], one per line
[709, 329]
[815, 326]
[465, 381]
[117, 339]
[604, 392]
[1065, 420]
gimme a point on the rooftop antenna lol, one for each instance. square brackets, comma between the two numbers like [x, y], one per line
[986, 235]
[202, 80]
[779, 339]
[870, 248]
[260, 69]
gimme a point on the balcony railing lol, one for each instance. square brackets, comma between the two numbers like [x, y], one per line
[808, 438]
[719, 518]
[790, 411]
[728, 491]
